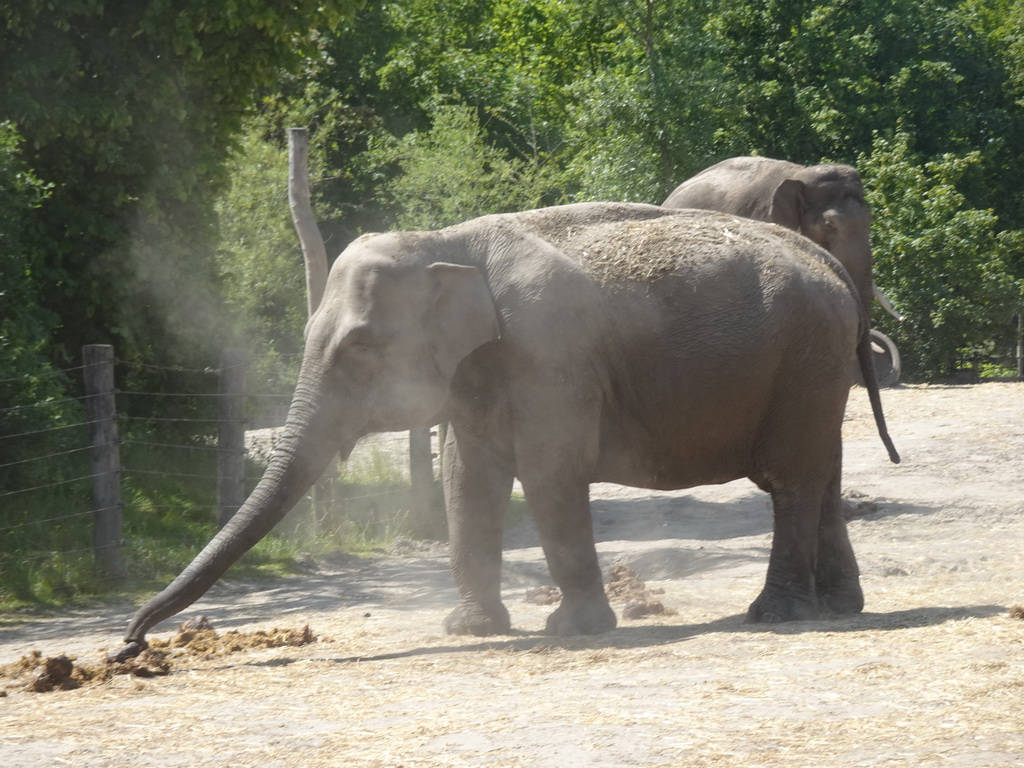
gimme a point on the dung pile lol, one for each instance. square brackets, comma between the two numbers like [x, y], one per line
[52, 674]
[37, 674]
[548, 594]
[195, 637]
[626, 586]
[198, 637]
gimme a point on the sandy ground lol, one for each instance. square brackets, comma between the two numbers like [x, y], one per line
[931, 674]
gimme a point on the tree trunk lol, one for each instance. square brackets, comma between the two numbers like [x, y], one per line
[313, 251]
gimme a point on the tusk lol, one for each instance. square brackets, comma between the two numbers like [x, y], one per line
[886, 304]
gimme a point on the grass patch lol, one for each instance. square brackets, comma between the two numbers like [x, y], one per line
[517, 510]
[996, 372]
[169, 496]
[360, 507]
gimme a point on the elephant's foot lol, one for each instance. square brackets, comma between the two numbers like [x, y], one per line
[589, 616]
[841, 600]
[476, 619]
[837, 583]
[773, 608]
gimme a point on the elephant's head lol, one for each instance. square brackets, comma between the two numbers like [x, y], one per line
[380, 353]
[825, 203]
[385, 342]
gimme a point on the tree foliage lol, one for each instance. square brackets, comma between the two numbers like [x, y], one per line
[944, 264]
[426, 112]
[259, 261]
[31, 389]
[129, 108]
[450, 174]
[622, 99]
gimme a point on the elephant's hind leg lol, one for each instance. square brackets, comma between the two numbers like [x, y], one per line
[789, 590]
[799, 465]
[836, 575]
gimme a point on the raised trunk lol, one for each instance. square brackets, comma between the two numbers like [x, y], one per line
[309, 443]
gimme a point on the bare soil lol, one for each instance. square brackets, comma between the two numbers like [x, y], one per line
[931, 674]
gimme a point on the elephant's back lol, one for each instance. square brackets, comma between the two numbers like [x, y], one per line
[700, 247]
[749, 281]
[739, 185]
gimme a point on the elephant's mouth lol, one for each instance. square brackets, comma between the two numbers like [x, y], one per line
[346, 448]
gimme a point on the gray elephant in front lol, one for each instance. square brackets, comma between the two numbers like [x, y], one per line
[570, 345]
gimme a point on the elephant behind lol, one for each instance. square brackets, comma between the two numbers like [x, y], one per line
[825, 203]
[570, 345]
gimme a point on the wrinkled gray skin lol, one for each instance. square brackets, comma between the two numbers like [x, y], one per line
[570, 345]
[824, 203]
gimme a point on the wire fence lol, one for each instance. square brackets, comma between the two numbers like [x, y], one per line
[50, 509]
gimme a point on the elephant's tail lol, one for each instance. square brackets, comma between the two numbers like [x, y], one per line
[867, 370]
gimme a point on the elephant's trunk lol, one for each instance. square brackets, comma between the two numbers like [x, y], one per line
[855, 254]
[867, 368]
[309, 443]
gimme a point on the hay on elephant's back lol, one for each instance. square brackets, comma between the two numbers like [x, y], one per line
[645, 251]
[634, 252]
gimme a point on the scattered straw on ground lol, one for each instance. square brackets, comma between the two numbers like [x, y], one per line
[931, 674]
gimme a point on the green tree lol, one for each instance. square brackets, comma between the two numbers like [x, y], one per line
[130, 109]
[449, 174]
[30, 388]
[550, 101]
[945, 265]
[259, 260]
[816, 79]
[514, 63]
[650, 115]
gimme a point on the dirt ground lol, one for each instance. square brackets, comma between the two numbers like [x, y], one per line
[931, 674]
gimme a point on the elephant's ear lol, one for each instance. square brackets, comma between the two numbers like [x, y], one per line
[464, 313]
[788, 204]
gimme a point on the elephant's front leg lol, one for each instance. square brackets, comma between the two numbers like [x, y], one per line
[561, 508]
[478, 484]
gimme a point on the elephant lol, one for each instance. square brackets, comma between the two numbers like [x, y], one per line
[825, 203]
[615, 342]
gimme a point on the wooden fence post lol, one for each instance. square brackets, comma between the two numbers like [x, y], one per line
[231, 437]
[105, 457]
[428, 516]
[1020, 345]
